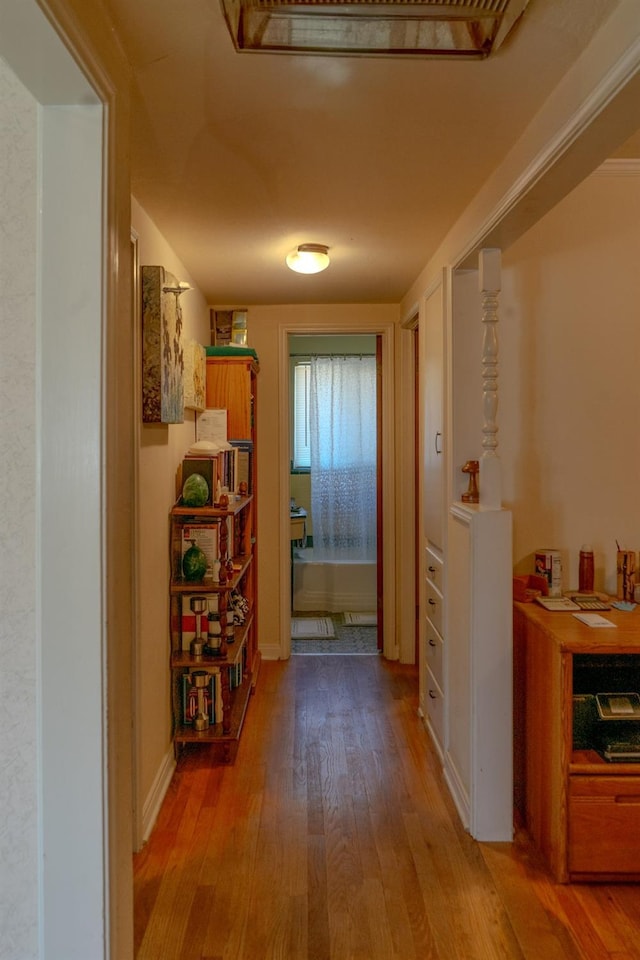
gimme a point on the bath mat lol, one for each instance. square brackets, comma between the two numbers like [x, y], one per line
[361, 619]
[311, 628]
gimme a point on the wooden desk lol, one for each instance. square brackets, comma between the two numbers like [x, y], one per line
[582, 812]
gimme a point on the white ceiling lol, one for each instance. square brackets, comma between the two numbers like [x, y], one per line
[239, 157]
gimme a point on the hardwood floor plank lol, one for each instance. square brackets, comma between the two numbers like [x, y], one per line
[202, 907]
[172, 896]
[379, 923]
[622, 905]
[538, 931]
[317, 899]
[604, 918]
[333, 837]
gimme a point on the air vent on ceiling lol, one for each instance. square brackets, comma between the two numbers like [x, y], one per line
[471, 29]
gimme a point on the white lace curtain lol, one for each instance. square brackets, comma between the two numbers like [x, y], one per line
[342, 423]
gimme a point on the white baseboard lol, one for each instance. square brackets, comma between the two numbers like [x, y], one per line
[270, 651]
[457, 791]
[435, 743]
[156, 795]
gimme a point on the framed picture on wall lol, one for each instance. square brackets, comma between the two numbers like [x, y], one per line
[239, 328]
[222, 321]
[229, 327]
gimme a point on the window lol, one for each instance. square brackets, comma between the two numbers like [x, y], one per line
[301, 450]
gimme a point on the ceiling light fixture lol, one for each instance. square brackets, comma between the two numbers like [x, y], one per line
[309, 258]
[471, 29]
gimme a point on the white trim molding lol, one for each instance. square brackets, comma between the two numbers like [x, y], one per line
[621, 167]
[159, 787]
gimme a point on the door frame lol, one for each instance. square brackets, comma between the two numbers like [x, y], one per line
[386, 333]
[71, 732]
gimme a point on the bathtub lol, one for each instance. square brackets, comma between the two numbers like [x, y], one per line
[332, 587]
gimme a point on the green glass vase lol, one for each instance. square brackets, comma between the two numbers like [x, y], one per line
[194, 563]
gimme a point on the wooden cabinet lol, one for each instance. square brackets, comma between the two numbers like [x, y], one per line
[432, 680]
[432, 653]
[581, 811]
[479, 673]
[214, 650]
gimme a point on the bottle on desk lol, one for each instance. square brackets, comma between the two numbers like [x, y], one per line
[585, 569]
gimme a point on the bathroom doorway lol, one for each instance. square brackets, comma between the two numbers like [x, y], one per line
[334, 493]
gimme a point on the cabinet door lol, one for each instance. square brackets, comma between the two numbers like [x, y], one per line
[229, 388]
[433, 373]
[604, 824]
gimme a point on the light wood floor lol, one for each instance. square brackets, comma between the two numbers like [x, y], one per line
[333, 838]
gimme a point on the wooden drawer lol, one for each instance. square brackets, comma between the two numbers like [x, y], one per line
[434, 569]
[433, 653]
[604, 824]
[434, 606]
[434, 708]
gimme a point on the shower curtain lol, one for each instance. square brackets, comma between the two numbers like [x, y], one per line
[342, 422]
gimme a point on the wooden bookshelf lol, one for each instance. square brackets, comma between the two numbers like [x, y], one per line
[211, 687]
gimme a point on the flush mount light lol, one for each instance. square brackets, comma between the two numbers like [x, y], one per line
[309, 258]
[472, 29]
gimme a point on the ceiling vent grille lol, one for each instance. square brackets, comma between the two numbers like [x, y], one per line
[472, 29]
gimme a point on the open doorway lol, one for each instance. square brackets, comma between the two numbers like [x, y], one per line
[334, 484]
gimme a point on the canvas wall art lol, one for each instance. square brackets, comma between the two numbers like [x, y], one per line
[162, 352]
[195, 376]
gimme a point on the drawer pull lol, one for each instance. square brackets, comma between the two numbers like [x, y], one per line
[432, 642]
[433, 695]
[432, 602]
[432, 569]
[438, 445]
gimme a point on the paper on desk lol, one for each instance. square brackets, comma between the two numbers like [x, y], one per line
[594, 620]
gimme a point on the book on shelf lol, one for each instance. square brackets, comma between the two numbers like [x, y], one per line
[217, 686]
[219, 469]
[228, 459]
[235, 676]
[244, 468]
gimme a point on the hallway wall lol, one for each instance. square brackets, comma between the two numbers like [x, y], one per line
[161, 449]
[569, 349]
